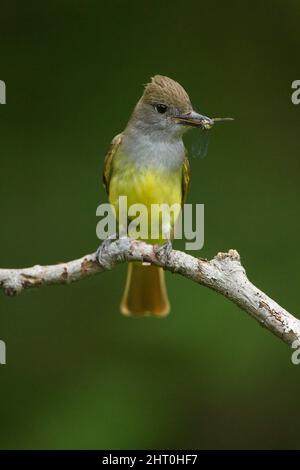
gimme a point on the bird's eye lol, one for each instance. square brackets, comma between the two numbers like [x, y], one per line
[161, 108]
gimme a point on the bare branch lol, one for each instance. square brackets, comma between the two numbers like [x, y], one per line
[224, 274]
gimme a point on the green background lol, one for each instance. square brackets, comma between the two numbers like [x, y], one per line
[78, 374]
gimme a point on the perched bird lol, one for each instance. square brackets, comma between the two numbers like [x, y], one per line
[147, 162]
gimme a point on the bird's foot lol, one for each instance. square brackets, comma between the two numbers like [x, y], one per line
[102, 253]
[163, 251]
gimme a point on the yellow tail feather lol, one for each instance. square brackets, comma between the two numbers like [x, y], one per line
[145, 292]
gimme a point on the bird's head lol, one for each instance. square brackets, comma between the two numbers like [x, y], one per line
[165, 107]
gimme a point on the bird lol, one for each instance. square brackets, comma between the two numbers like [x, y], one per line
[148, 164]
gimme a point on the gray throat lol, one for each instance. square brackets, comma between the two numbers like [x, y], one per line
[156, 149]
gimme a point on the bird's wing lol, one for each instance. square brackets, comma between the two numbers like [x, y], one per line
[186, 178]
[108, 161]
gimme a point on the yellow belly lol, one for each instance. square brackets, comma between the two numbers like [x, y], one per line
[147, 187]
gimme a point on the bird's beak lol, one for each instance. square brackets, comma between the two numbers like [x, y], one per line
[194, 119]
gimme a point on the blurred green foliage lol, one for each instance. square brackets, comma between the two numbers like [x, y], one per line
[78, 374]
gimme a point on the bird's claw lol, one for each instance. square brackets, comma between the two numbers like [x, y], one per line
[102, 253]
[163, 251]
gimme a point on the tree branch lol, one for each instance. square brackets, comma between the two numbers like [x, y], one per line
[224, 274]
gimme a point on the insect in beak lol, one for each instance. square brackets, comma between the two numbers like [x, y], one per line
[194, 119]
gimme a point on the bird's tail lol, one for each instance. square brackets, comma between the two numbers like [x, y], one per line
[145, 291]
